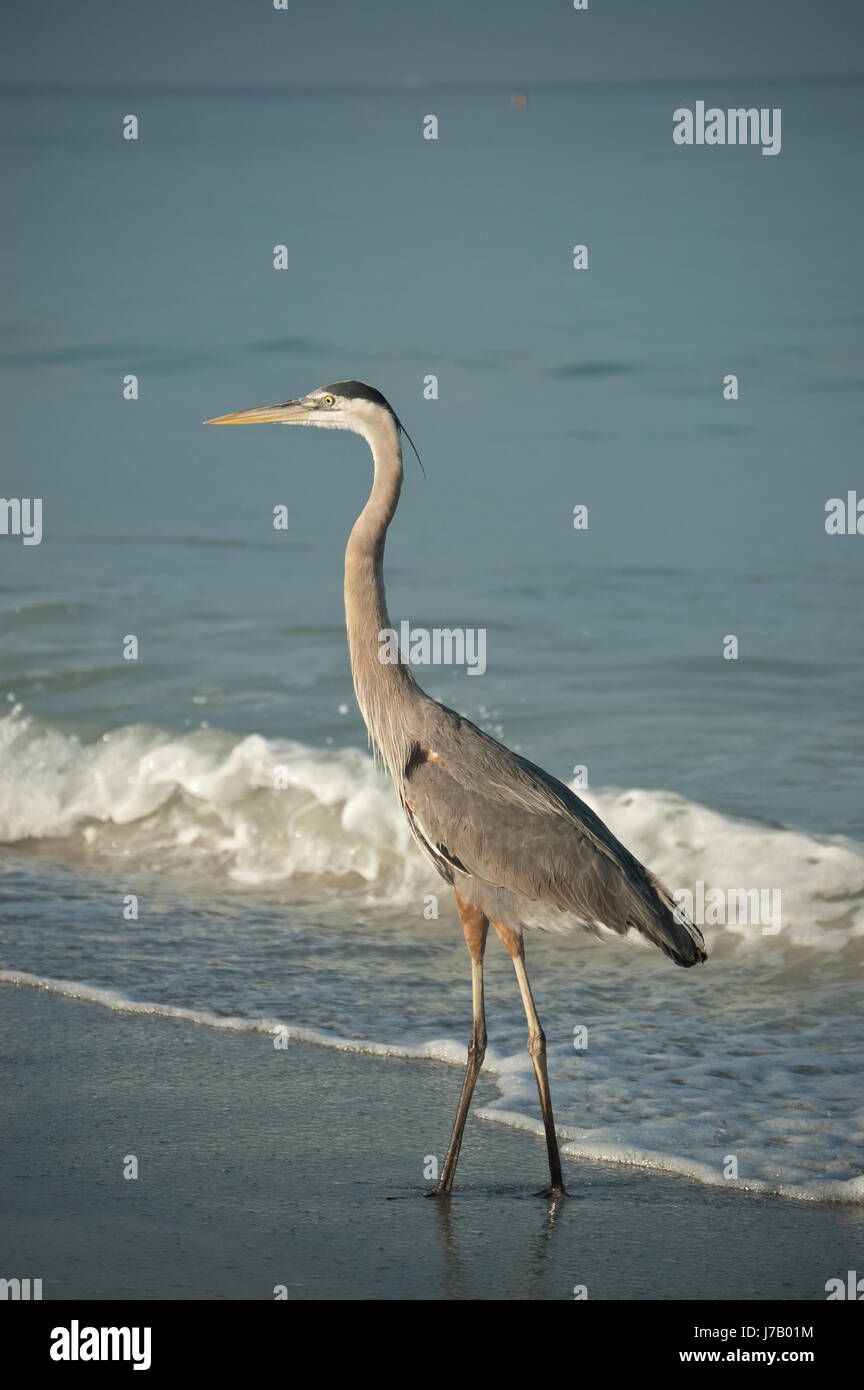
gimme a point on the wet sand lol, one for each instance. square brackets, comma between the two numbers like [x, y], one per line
[303, 1168]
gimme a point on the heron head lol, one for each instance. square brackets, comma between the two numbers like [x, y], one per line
[344, 405]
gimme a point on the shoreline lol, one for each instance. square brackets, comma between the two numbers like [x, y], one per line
[303, 1167]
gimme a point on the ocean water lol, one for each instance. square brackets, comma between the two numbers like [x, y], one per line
[304, 907]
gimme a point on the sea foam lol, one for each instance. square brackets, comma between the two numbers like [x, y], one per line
[264, 813]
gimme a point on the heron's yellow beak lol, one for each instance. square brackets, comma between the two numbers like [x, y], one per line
[286, 413]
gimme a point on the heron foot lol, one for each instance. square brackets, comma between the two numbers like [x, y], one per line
[556, 1194]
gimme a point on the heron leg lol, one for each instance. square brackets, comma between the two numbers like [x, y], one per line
[515, 945]
[475, 926]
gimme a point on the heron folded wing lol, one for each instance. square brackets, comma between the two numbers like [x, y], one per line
[543, 848]
[546, 856]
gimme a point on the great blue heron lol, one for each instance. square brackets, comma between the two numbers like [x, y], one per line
[518, 847]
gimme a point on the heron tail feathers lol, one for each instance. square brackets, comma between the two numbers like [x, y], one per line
[665, 923]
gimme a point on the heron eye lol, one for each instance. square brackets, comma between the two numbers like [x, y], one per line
[328, 400]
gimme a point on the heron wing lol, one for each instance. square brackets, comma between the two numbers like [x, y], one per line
[537, 852]
[480, 810]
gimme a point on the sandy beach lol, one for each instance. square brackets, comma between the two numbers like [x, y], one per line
[301, 1167]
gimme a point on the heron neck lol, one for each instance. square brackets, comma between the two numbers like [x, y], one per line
[379, 686]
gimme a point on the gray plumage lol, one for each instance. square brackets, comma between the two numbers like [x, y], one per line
[525, 849]
[518, 846]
